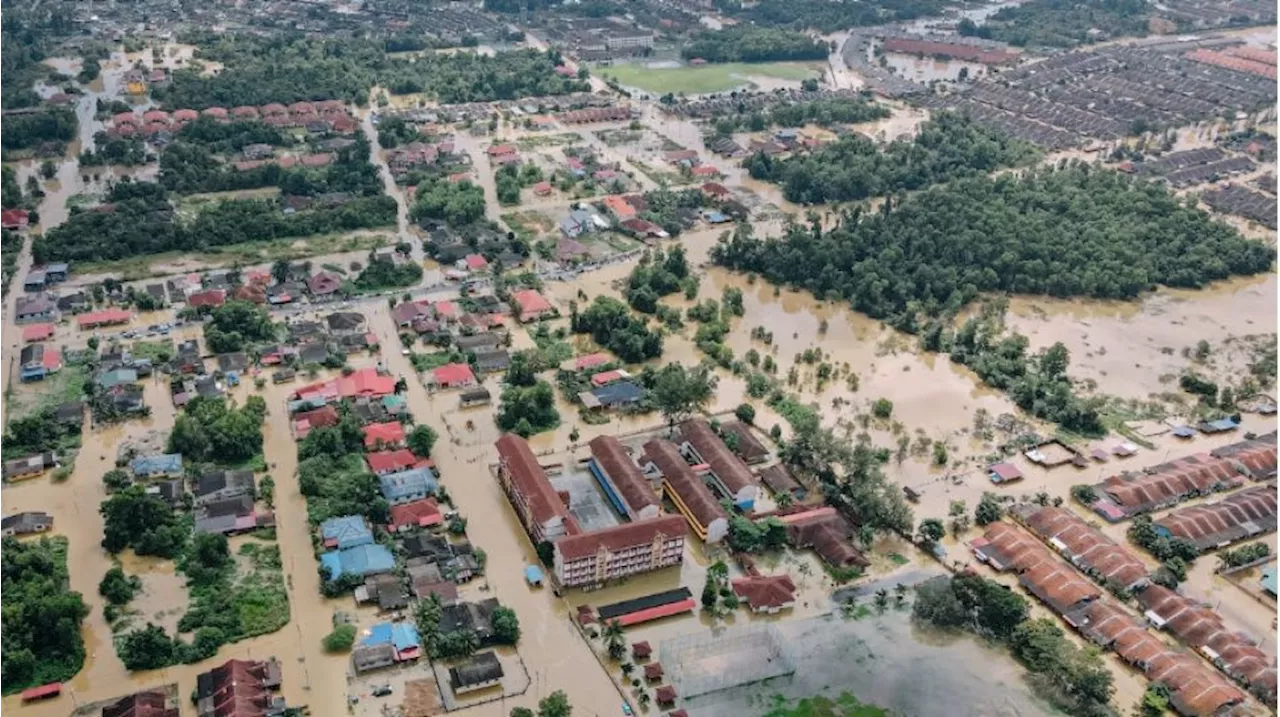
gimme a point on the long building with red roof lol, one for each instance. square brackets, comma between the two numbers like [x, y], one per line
[730, 473]
[1087, 548]
[623, 483]
[620, 551]
[537, 505]
[686, 490]
[1246, 514]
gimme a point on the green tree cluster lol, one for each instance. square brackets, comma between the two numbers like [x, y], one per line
[41, 616]
[210, 430]
[57, 125]
[612, 326]
[656, 276]
[1055, 23]
[456, 203]
[382, 272]
[948, 147]
[749, 536]
[134, 519]
[824, 112]
[747, 43]
[527, 410]
[236, 325]
[826, 16]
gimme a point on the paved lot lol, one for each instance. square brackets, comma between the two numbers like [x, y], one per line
[586, 502]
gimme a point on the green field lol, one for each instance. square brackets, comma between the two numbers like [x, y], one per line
[706, 78]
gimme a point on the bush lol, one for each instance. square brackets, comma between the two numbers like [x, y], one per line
[341, 639]
[745, 413]
[882, 408]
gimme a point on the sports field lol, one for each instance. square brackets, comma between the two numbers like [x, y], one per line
[706, 78]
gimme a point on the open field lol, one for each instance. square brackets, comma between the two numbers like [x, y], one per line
[707, 78]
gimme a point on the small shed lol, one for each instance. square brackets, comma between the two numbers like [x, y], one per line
[1004, 472]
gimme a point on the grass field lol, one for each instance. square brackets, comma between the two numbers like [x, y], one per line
[707, 78]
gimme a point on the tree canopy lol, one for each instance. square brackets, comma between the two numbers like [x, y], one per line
[1068, 231]
[211, 430]
[611, 324]
[41, 617]
[1059, 23]
[948, 147]
[237, 324]
[681, 392]
[527, 410]
[134, 519]
[825, 16]
[746, 43]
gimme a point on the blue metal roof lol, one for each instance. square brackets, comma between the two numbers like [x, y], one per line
[367, 559]
[1269, 579]
[402, 635]
[349, 530]
[157, 465]
[407, 483]
[618, 392]
[533, 574]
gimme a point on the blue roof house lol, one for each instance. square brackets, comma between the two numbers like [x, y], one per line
[349, 531]
[618, 393]
[168, 464]
[362, 560]
[407, 486]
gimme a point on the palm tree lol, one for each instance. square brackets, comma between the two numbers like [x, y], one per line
[614, 641]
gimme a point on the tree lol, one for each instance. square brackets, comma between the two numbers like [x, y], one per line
[506, 626]
[41, 617]
[930, 531]
[615, 642]
[116, 479]
[521, 712]
[680, 392]
[341, 639]
[421, 439]
[144, 522]
[989, 509]
[236, 324]
[521, 371]
[882, 408]
[1084, 494]
[118, 588]
[528, 410]
[280, 270]
[937, 605]
[148, 648]
[555, 704]
[746, 413]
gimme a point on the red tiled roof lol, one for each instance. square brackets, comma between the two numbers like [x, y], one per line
[715, 189]
[390, 461]
[1088, 547]
[665, 694]
[612, 457]
[607, 377]
[245, 111]
[641, 649]
[51, 360]
[454, 374]
[151, 703]
[326, 282]
[14, 218]
[530, 481]
[445, 309]
[590, 360]
[729, 468]
[619, 206]
[765, 591]
[655, 613]
[37, 332]
[1059, 585]
[827, 532]
[390, 433]
[1238, 64]
[476, 262]
[212, 297]
[155, 116]
[319, 418]
[620, 537]
[185, 115]
[101, 318]
[653, 671]
[1167, 483]
[1224, 519]
[420, 514]
[531, 302]
[696, 496]
[954, 50]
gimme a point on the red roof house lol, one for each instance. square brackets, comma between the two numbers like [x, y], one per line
[605, 378]
[390, 433]
[324, 283]
[476, 262]
[383, 462]
[37, 332]
[766, 593]
[106, 317]
[417, 514]
[321, 417]
[715, 190]
[212, 298]
[533, 306]
[14, 219]
[453, 375]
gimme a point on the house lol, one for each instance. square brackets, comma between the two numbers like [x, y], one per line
[70, 413]
[384, 462]
[476, 618]
[168, 464]
[36, 362]
[665, 696]
[149, 703]
[424, 513]
[423, 589]
[251, 293]
[230, 516]
[324, 286]
[239, 688]
[1004, 473]
[578, 222]
[407, 312]
[493, 361]
[533, 306]
[75, 301]
[117, 377]
[171, 491]
[37, 332]
[31, 466]
[748, 447]
[401, 636]
[716, 191]
[367, 658]
[217, 485]
[16, 219]
[105, 317]
[644, 229]
[474, 263]
[389, 434]
[36, 308]
[306, 421]
[653, 672]
[407, 486]
[619, 208]
[362, 560]
[26, 523]
[386, 590]
[480, 672]
[57, 273]
[1242, 515]
[212, 298]
[36, 280]
[453, 375]
[475, 397]
[780, 481]
[828, 533]
[188, 359]
[768, 594]
[569, 250]
[348, 531]
[235, 361]
[345, 322]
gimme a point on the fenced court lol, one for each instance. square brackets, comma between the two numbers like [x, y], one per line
[701, 663]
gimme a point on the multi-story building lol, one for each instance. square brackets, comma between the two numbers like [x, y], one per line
[540, 509]
[619, 552]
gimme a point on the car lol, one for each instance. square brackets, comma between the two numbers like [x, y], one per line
[626, 709]
[382, 690]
